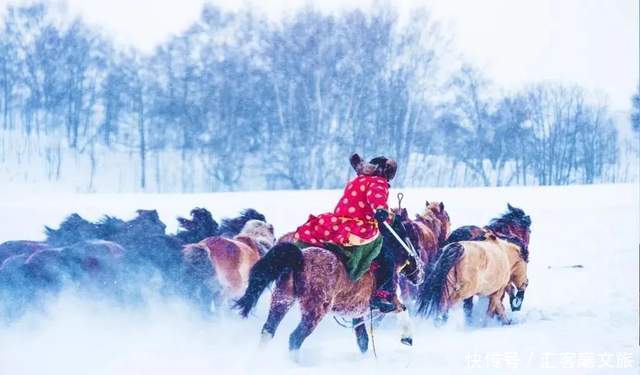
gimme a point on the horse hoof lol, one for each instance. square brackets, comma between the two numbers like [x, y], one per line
[265, 337]
[408, 341]
[294, 355]
[439, 322]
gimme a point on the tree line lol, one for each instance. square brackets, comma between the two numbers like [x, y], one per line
[238, 102]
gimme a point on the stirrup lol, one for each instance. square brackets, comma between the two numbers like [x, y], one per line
[383, 305]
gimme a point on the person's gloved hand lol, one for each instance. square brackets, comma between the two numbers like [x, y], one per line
[381, 215]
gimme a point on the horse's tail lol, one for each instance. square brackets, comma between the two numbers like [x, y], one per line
[433, 293]
[282, 259]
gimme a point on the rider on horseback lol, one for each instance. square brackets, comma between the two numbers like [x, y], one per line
[353, 229]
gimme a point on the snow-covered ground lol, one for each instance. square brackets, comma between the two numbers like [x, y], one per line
[576, 320]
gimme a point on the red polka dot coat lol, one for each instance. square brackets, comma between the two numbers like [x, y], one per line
[352, 223]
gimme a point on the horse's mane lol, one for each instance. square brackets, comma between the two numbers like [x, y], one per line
[72, 229]
[259, 232]
[524, 249]
[200, 226]
[231, 227]
[109, 226]
[514, 216]
[435, 223]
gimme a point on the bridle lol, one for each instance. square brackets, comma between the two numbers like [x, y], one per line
[407, 246]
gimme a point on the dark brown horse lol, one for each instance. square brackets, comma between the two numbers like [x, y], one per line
[428, 232]
[319, 281]
[513, 223]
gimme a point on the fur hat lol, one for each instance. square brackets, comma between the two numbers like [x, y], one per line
[378, 166]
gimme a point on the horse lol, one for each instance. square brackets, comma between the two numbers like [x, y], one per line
[73, 229]
[317, 278]
[12, 248]
[515, 224]
[469, 268]
[232, 226]
[148, 247]
[228, 260]
[201, 225]
[404, 284]
[434, 224]
[512, 223]
[25, 278]
[428, 231]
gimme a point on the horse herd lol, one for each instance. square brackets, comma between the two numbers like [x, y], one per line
[112, 257]
[212, 265]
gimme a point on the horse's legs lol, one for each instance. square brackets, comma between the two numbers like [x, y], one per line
[281, 301]
[496, 308]
[308, 323]
[361, 334]
[216, 303]
[441, 318]
[407, 328]
[405, 325]
[467, 306]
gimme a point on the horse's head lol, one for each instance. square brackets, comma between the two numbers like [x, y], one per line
[109, 227]
[147, 222]
[401, 214]
[438, 216]
[407, 261]
[73, 229]
[378, 166]
[514, 222]
[201, 226]
[522, 223]
[203, 219]
[232, 226]
[260, 232]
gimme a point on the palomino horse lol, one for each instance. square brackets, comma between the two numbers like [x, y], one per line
[513, 224]
[229, 260]
[319, 281]
[469, 268]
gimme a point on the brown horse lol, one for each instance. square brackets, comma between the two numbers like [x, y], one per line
[470, 268]
[229, 260]
[319, 281]
[428, 232]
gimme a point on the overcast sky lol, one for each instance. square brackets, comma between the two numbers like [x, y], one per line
[590, 42]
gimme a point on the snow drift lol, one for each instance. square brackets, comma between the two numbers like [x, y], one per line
[580, 313]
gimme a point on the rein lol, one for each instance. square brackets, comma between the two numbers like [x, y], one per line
[345, 323]
[410, 251]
